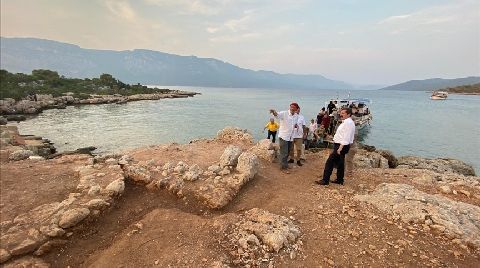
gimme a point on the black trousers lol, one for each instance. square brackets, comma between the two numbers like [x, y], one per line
[273, 133]
[337, 160]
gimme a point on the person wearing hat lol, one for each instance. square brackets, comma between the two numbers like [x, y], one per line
[288, 124]
[342, 139]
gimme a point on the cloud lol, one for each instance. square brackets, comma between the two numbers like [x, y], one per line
[235, 38]
[436, 19]
[188, 7]
[121, 9]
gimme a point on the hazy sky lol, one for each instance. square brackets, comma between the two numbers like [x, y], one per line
[363, 42]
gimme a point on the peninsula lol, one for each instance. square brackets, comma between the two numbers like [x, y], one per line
[22, 94]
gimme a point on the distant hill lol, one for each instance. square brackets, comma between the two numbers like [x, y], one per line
[146, 67]
[433, 84]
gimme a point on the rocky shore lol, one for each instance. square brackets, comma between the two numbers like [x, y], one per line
[12, 110]
[223, 202]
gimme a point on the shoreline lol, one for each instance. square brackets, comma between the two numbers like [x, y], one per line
[11, 110]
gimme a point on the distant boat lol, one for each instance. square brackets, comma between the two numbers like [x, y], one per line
[439, 95]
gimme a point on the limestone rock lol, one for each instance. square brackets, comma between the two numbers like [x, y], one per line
[180, 168]
[116, 187]
[230, 156]
[52, 231]
[27, 262]
[445, 189]
[72, 217]
[411, 205]
[49, 245]
[248, 164]
[4, 255]
[365, 159]
[20, 155]
[440, 165]
[234, 134]
[265, 149]
[26, 246]
[125, 159]
[97, 204]
[138, 173]
[392, 160]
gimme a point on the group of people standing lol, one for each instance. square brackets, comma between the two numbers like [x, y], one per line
[292, 131]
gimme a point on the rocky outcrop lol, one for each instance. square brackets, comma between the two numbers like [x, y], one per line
[215, 186]
[436, 213]
[438, 165]
[234, 134]
[265, 149]
[20, 147]
[11, 107]
[366, 159]
[34, 230]
[255, 236]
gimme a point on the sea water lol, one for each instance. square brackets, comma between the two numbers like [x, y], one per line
[404, 122]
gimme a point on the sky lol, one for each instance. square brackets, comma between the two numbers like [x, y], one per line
[368, 42]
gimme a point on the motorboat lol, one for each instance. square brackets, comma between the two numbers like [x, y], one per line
[439, 95]
[361, 114]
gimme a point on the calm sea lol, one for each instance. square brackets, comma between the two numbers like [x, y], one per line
[407, 123]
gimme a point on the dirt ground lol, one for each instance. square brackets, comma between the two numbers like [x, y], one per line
[155, 228]
[26, 185]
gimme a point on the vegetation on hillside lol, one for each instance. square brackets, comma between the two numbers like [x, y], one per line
[19, 86]
[466, 89]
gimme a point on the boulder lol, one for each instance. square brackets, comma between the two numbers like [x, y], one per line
[248, 164]
[72, 217]
[392, 160]
[234, 134]
[366, 159]
[116, 187]
[230, 156]
[265, 149]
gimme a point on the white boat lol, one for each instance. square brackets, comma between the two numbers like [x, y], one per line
[361, 114]
[439, 95]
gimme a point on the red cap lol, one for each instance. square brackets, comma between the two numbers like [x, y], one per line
[295, 104]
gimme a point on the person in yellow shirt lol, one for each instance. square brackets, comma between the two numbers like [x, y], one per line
[272, 127]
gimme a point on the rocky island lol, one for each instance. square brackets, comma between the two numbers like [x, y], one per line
[223, 202]
[22, 94]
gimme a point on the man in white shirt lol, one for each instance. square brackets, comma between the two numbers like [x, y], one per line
[342, 139]
[288, 124]
[295, 152]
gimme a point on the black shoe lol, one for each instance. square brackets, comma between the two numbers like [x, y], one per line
[338, 182]
[299, 163]
[291, 161]
[322, 182]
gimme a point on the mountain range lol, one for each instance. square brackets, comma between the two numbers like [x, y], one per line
[158, 68]
[146, 67]
[433, 84]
